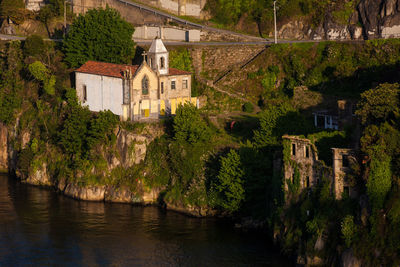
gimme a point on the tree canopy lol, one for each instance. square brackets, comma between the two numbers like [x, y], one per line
[101, 35]
[379, 104]
[229, 182]
[13, 9]
[189, 126]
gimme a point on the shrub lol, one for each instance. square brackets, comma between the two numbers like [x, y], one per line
[348, 229]
[41, 73]
[189, 126]
[248, 107]
[379, 180]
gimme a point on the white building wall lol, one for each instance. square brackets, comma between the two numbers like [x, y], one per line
[103, 92]
[168, 33]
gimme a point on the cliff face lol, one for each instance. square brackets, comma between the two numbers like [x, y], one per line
[371, 19]
[3, 148]
[380, 18]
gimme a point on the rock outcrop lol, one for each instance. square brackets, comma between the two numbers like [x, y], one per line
[349, 260]
[380, 18]
[371, 19]
[3, 148]
[39, 176]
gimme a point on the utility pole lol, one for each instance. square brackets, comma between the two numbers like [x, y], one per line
[276, 34]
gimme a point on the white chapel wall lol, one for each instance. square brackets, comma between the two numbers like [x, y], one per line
[103, 92]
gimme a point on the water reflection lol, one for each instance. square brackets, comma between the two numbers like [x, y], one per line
[39, 227]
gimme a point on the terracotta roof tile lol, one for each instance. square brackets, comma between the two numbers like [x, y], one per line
[106, 69]
[173, 71]
[116, 70]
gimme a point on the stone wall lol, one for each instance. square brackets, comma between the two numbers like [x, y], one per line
[342, 160]
[179, 7]
[131, 14]
[304, 158]
[212, 61]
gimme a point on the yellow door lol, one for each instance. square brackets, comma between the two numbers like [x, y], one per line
[162, 107]
[173, 106]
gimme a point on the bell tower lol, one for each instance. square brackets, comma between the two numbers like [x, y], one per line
[158, 57]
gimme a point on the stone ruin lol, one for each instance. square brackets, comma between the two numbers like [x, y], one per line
[311, 170]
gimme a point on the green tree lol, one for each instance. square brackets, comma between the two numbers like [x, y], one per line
[13, 9]
[11, 86]
[189, 126]
[34, 45]
[41, 73]
[379, 180]
[229, 182]
[57, 7]
[277, 120]
[379, 104]
[100, 34]
[72, 137]
[181, 59]
[101, 128]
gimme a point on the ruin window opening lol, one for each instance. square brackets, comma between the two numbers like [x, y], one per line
[308, 181]
[162, 87]
[307, 151]
[346, 191]
[294, 149]
[345, 161]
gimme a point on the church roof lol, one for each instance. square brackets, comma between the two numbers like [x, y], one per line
[157, 46]
[116, 70]
[106, 69]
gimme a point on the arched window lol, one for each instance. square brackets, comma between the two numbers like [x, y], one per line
[145, 85]
[162, 63]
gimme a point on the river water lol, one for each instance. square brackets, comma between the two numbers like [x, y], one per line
[39, 227]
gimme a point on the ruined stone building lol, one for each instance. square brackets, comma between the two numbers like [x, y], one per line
[135, 92]
[302, 163]
[342, 182]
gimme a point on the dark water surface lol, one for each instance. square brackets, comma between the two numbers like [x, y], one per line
[41, 228]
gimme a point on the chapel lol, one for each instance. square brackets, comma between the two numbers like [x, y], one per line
[147, 91]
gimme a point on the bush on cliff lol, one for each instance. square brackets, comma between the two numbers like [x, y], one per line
[229, 183]
[189, 126]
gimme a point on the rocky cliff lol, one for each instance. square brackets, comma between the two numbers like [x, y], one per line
[371, 19]
[3, 148]
[127, 153]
